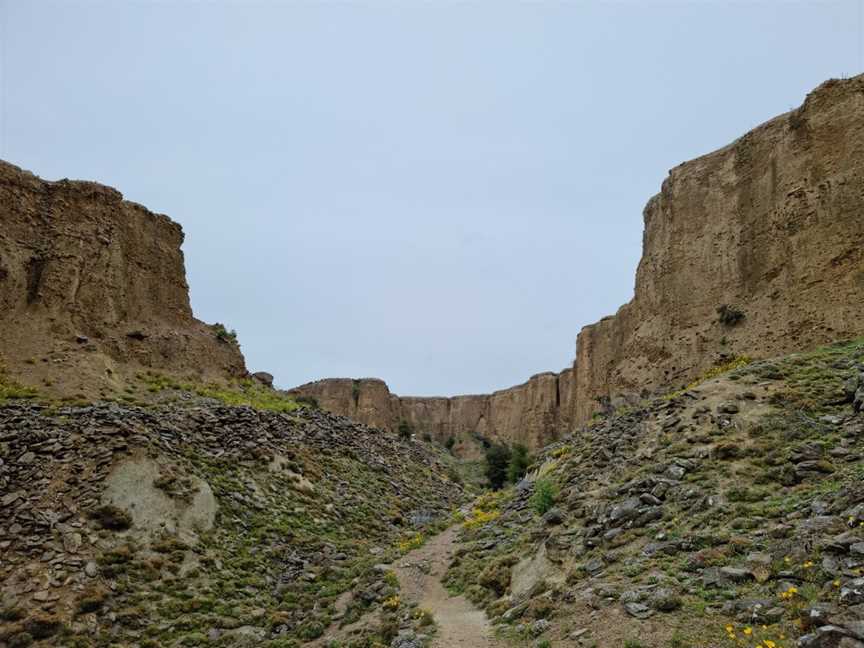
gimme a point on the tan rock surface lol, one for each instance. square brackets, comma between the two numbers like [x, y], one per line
[531, 413]
[80, 270]
[772, 224]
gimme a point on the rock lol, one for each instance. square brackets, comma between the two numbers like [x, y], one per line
[735, 574]
[638, 610]
[594, 566]
[91, 569]
[828, 636]
[664, 600]
[538, 627]
[264, 378]
[852, 593]
[553, 516]
[675, 472]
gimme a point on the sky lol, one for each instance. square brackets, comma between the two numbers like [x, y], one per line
[435, 193]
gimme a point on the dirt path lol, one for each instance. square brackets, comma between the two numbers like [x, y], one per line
[460, 624]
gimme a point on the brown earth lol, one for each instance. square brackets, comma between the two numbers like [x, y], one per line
[770, 225]
[459, 623]
[93, 288]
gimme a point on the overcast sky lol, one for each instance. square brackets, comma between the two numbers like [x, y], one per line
[439, 194]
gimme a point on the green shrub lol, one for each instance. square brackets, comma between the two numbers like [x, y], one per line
[544, 496]
[519, 462]
[224, 335]
[497, 461]
[405, 430]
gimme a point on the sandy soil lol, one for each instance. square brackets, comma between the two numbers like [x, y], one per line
[459, 622]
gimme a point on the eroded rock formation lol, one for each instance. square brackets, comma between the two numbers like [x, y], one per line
[93, 288]
[533, 413]
[770, 227]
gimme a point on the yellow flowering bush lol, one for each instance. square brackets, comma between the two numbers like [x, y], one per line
[410, 543]
[485, 509]
[392, 603]
[756, 637]
[479, 517]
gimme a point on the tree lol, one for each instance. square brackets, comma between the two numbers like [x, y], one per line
[518, 465]
[497, 460]
[405, 430]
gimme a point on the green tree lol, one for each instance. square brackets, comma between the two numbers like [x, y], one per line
[405, 430]
[497, 460]
[519, 462]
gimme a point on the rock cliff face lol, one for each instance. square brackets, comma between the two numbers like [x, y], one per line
[93, 288]
[533, 413]
[770, 227]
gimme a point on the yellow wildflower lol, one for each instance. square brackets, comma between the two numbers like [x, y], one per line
[748, 631]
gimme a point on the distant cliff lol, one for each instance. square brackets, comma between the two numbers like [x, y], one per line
[93, 288]
[533, 413]
[755, 249]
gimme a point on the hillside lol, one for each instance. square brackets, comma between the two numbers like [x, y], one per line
[727, 514]
[195, 523]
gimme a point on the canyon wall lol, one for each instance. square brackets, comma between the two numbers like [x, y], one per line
[533, 414]
[771, 226]
[93, 288]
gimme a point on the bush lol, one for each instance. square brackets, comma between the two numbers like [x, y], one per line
[451, 441]
[224, 335]
[111, 517]
[497, 461]
[729, 315]
[544, 496]
[519, 462]
[405, 430]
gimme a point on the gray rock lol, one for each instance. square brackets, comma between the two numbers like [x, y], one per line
[736, 574]
[664, 600]
[553, 516]
[852, 593]
[638, 610]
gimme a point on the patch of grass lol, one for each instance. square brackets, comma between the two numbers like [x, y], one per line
[237, 393]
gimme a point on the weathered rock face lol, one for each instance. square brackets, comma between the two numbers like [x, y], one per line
[770, 226]
[533, 413]
[93, 287]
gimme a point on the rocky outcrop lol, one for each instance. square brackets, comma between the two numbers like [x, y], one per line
[532, 414]
[769, 226]
[93, 288]
[754, 249]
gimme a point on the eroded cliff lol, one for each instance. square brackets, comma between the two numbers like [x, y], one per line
[93, 288]
[754, 249]
[771, 225]
[533, 413]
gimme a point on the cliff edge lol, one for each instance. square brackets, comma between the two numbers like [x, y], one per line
[93, 289]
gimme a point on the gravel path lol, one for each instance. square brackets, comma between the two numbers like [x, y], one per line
[460, 624]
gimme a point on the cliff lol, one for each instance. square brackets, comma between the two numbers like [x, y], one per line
[754, 249]
[533, 413]
[770, 225]
[93, 288]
